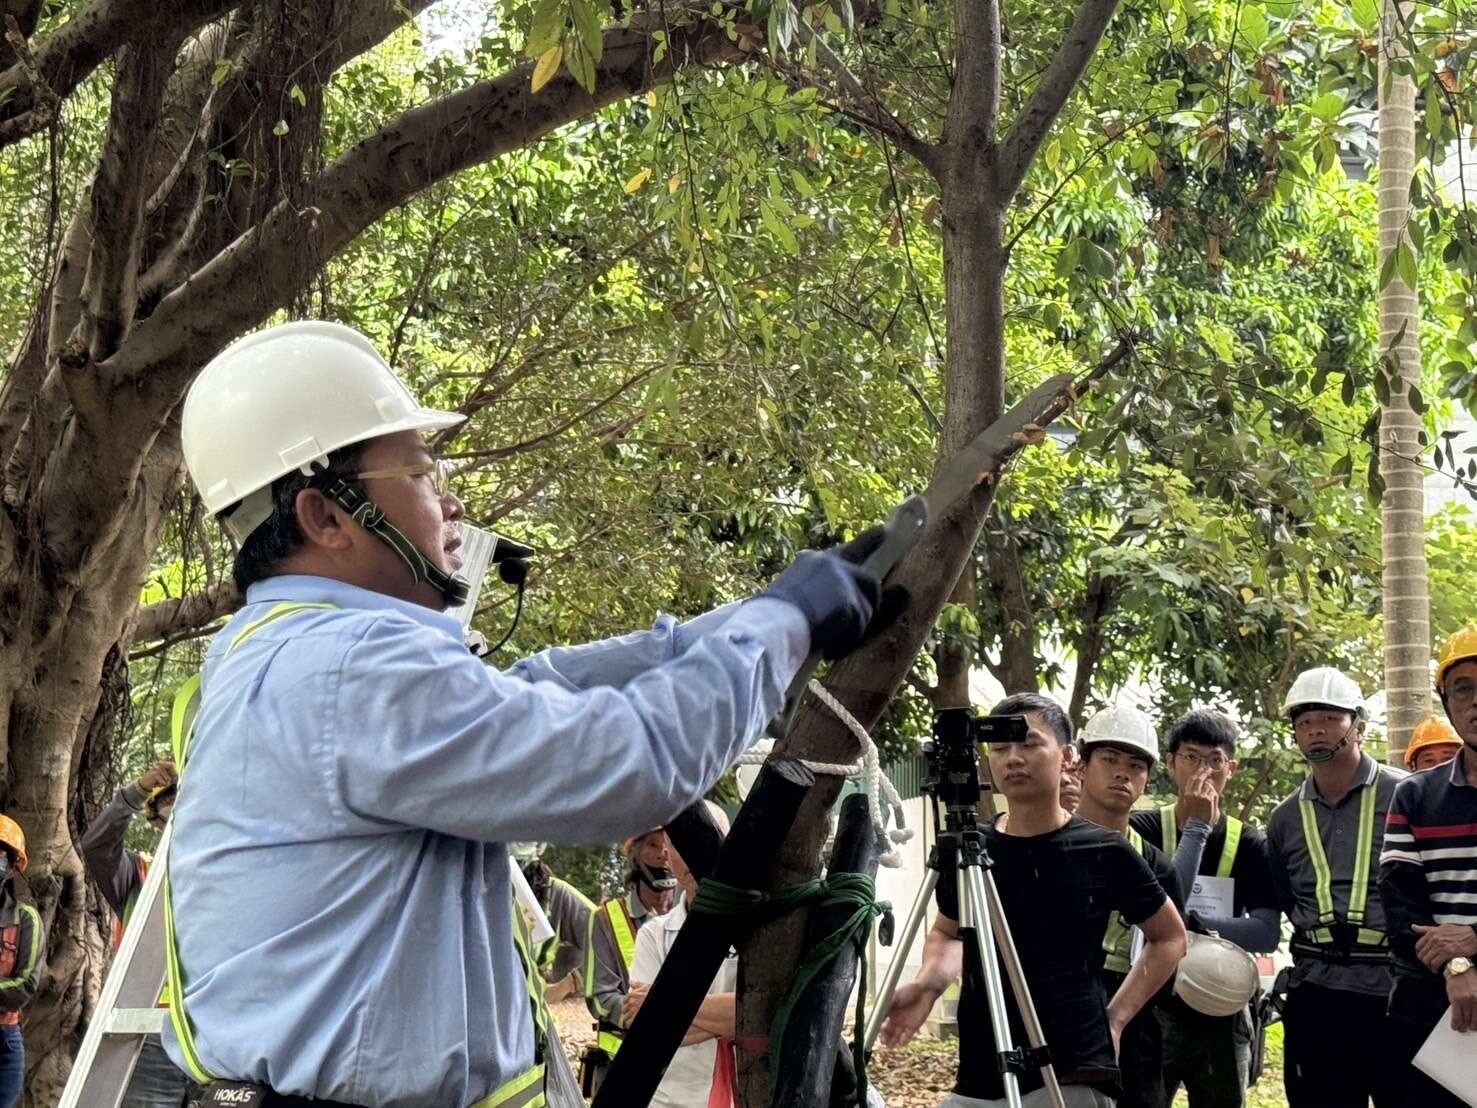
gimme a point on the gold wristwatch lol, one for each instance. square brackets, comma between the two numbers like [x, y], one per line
[1457, 965]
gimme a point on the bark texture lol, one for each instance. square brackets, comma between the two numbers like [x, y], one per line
[979, 171]
[1407, 608]
[167, 259]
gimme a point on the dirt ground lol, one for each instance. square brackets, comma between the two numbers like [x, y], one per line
[915, 1077]
[919, 1075]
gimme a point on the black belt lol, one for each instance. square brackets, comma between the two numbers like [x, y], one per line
[1342, 955]
[227, 1094]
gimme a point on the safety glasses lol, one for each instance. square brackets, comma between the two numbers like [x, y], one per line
[438, 470]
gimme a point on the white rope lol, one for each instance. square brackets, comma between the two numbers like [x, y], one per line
[875, 783]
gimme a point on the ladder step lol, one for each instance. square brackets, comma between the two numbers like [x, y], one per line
[135, 1021]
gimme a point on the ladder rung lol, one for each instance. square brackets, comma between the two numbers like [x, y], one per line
[135, 1021]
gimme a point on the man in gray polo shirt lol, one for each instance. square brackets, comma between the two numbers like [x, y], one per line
[1325, 841]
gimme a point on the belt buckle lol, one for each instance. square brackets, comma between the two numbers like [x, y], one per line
[234, 1094]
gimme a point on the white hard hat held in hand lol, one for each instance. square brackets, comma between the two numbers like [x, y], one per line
[1216, 977]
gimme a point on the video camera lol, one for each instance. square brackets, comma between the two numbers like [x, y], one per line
[953, 770]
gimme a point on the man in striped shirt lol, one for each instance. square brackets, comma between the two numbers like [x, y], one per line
[1428, 881]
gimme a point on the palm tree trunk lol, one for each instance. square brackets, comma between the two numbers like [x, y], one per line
[1402, 510]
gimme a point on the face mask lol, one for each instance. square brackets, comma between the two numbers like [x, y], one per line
[658, 878]
[1323, 757]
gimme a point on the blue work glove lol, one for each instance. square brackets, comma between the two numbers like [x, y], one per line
[836, 595]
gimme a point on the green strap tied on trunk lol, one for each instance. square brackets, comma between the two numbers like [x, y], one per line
[854, 890]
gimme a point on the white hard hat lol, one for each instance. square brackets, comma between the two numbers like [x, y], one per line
[283, 399]
[523, 853]
[1128, 728]
[1216, 977]
[1324, 685]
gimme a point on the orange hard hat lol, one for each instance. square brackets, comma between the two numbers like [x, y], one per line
[1458, 647]
[12, 836]
[1431, 731]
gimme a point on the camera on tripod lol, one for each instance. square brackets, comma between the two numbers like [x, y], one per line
[953, 773]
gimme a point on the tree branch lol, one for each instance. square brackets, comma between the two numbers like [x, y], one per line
[867, 106]
[119, 192]
[253, 276]
[974, 100]
[84, 42]
[145, 380]
[169, 619]
[1067, 65]
[45, 102]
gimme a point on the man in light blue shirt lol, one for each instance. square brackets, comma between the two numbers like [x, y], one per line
[340, 887]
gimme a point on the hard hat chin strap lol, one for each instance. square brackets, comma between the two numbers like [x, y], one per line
[367, 514]
[1322, 757]
[657, 878]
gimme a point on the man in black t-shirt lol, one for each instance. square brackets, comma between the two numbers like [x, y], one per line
[1210, 1055]
[1060, 880]
[1118, 750]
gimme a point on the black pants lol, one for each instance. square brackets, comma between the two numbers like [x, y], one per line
[1209, 1055]
[1415, 1006]
[1141, 1064]
[1328, 1061]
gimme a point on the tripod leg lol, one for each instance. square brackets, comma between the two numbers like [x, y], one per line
[900, 948]
[972, 892]
[1011, 957]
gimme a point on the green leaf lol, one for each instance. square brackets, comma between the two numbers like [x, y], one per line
[546, 30]
[580, 67]
[1405, 264]
[778, 228]
[296, 93]
[587, 26]
[280, 128]
[1366, 13]
[221, 72]
[1253, 28]
[1327, 107]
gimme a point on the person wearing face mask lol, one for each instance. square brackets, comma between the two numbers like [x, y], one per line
[22, 953]
[1060, 879]
[1324, 844]
[610, 945]
[702, 1071]
[119, 875]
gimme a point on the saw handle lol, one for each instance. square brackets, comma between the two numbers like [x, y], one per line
[900, 534]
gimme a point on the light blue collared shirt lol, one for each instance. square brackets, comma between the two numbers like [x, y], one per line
[341, 890]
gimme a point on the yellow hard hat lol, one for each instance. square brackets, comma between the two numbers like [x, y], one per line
[1431, 731]
[12, 836]
[1457, 648]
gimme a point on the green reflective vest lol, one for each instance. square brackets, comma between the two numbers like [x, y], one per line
[1169, 835]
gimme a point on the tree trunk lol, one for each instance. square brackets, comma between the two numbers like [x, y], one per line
[979, 175]
[167, 260]
[1402, 509]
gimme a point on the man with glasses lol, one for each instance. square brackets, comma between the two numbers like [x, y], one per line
[1324, 839]
[341, 926]
[1428, 881]
[1211, 1055]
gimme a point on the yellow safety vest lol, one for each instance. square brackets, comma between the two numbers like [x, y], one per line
[524, 1091]
[1322, 935]
[1169, 836]
[614, 911]
[1118, 936]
